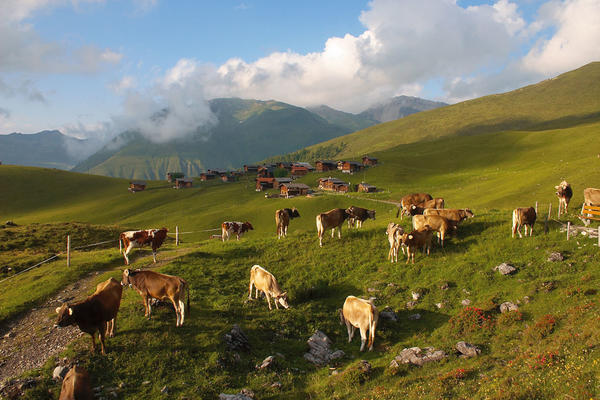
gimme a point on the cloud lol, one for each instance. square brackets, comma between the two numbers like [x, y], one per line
[124, 84]
[4, 113]
[144, 6]
[26, 89]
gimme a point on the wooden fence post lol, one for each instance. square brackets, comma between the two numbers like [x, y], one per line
[547, 218]
[68, 251]
[568, 229]
[558, 211]
[598, 236]
[176, 235]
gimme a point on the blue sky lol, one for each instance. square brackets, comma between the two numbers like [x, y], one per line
[94, 67]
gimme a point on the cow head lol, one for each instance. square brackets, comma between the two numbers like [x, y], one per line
[282, 299]
[125, 281]
[159, 236]
[295, 213]
[247, 226]
[65, 315]
[371, 214]
[466, 213]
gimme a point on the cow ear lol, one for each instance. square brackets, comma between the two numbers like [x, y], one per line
[70, 311]
[410, 236]
[413, 206]
[57, 310]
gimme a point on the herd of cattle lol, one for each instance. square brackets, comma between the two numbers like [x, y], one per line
[98, 312]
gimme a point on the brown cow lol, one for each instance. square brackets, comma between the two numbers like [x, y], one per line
[523, 217]
[111, 283]
[282, 220]
[436, 223]
[417, 240]
[93, 313]
[330, 220]
[454, 216]
[417, 199]
[76, 385]
[264, 281]
[564, 193]
[130, 239]
[394, 233]
[154, 285]
[358, 215]
[438, 203]
[591, 197]
[361, 314]
[239, 228]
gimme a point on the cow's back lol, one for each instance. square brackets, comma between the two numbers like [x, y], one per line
[591, 196]
[357, 311]
[76, 385]
[263, 279]
[104, 303]
[158, 285]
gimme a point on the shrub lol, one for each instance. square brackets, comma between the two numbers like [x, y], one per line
[510, 318]
[471, 319]
[542, 328]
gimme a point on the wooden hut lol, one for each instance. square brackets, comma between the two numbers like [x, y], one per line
[285, 165]
[294, 189]
[350, 167]
[183, 183]
[265, 171]
[263, 183]
[325, 165]
[250, 168]
[137, 186]
[206, 176]
[333, 185]
[281, 181]
[229, 178]
[366, 188]
[172, 176]
[369, 161]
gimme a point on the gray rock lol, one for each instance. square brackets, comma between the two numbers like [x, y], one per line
[467, 349]
[414, 316]
[416, 295]
[236, 339]
[445, 286]
[146, 383]
[555, 256]
[164, 390]
[416, 356]
[238, 396]
[390, 315]
[276, 385]
[508, 306]
[465, 302]
[319, 349]
[439, 305]
[505, 269]
[267, 362]
[59, 373]
[411, 304]
[526, 299]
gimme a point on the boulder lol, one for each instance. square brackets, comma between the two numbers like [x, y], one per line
[389, 315]
[59, 373]
[236, 339]
[416, 356]
[411, 304]
[467, 350]
[508, 306]
[555, 256]
[465, 302]
[505, 269]
[319, 350]
[267, 362]
[414, 316]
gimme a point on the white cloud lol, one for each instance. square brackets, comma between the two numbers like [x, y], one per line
[124, 84]
[144, 6]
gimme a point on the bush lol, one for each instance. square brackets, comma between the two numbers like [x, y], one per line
[471, 319]
[542, 328]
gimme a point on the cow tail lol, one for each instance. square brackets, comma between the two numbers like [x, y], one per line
[398, 212]
[371, 326]
[187, 287]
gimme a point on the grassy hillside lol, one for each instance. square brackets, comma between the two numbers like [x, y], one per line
[569, 99]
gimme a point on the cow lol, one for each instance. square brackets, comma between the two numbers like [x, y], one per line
[154, 285]
[454, 216]
[282, 220]
[93, 313]
[564, 193]
[438, 202]
[394, 233]
[239, 228]
[591, 197]
[523, 217]
[76, 385]
[358, 215]
[330, 220]
[130, 239]
[436, 223]
[361, 314]
[407, 201]
[264, 281]
[415, 240]
[110, 325]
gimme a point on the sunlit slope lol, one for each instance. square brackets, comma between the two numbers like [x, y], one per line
[567, 100]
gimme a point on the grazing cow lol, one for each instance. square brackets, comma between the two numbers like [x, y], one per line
[564, 193]
[93, 313]
[438, 202]
[523, 217]
[264, 281]
[239, 228]
[436, 223]
[154, 285]
[417, 199]
[394, 233]
[76, 385]
[591, 197]
[130, 239]
[358, 215]
[454, 216]
[282, 220]
[420, 239]
[330, 220]
[361, 314]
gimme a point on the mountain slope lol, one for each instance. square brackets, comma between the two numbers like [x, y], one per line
[44, 149]
[247, 131]
[399, 107]
[569, 99]
[351, 122]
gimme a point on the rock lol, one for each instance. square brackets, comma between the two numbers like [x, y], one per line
[236, 339]
[247, 393]
[238, 396]
[146, 383]
[439, 305]
[445, 286]
[164, 390]
[526, 299]
[267, 362]
[465, 302]
[335, 372]
[508, 306]
[364, 366]
[27, 384]
[276, 385]
[390, 315]
[411, 304]
[415, 356]
[59, 373]
[10, 223]
[372, 290]
[319, 352]
[547, 286]
[555, 256]
[467, 349]
[416, 295]
[414, 316]
[505, 269]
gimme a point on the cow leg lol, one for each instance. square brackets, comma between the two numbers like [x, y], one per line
[363, 338]
[250, 290]
[102, 329]
[332, 232]
[350, 329]
[181, 311]
[154, 256]
[268, 299]
[255, 292]
[177, 312]
[285, 230]
[340, 232]
[93, 341]
[276, 301]
[126, 253]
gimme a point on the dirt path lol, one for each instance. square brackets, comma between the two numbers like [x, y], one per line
[30, 340]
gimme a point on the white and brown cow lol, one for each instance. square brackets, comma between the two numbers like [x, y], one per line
[358, 215]
[282, 220]
[154, 285]
[331, 219]
[76, 385]
[394, 233]
[523, 217]
[361, 314]
[229, 228]
[417, 239]
[436, 223]
[130, 239]
[416, 199]
[264, 281]
[564, 192]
